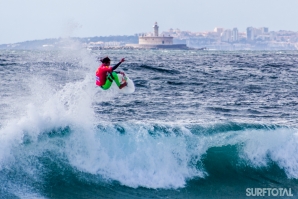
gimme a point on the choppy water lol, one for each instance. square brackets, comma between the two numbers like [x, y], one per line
[200, 124]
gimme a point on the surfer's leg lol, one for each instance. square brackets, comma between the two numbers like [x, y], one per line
[115, 78]
[108, 83]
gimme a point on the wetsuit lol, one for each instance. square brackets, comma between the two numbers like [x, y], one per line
[105, 75]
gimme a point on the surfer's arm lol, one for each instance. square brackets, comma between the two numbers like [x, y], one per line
[116, 66]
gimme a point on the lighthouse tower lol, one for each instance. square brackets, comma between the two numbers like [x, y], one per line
[155, 27]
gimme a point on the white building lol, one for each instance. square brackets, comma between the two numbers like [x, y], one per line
[226, 35]
[235, 36]
[265, 30]
[218, 30]
[250, 34]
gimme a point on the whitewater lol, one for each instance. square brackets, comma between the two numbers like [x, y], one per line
[199, 124]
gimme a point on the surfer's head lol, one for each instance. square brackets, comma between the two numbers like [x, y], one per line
[106, 61]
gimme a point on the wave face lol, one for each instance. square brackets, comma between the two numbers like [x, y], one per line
[199, 125]
[116, 158]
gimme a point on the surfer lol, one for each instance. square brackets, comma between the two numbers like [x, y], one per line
[105, 74]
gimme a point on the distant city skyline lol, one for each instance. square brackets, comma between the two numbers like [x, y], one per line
[34, 19]
[218, 39]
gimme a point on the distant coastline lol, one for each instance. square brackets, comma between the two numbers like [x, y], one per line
[90, 43]
[120, 42]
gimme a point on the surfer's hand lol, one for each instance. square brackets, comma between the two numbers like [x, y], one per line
[122, 73]
[122, 60]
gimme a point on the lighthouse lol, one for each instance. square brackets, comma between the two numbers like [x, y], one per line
[155, 27]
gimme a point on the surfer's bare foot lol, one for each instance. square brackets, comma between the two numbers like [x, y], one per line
[123, 85]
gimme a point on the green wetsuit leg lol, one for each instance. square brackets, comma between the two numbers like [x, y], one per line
[108, 84]
[115, 77]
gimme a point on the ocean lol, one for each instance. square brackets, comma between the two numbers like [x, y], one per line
[200, 124]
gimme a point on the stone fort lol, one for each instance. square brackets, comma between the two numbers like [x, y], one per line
[157, 41]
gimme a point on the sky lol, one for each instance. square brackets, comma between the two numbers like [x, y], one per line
[26, 20]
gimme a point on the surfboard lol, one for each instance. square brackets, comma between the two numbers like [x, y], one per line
[130, 88]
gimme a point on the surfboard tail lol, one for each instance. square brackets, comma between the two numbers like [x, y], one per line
[129, 88]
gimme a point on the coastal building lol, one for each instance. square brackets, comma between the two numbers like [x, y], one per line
[265, 30]
[250, 34]
[155, 41]
[235, 36]
[226, 35]
[218, 30]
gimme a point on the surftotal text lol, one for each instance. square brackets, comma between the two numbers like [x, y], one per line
[269, 192]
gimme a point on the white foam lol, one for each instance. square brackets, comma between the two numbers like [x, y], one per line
[48, 106]
[279, 145]
[137, 158]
